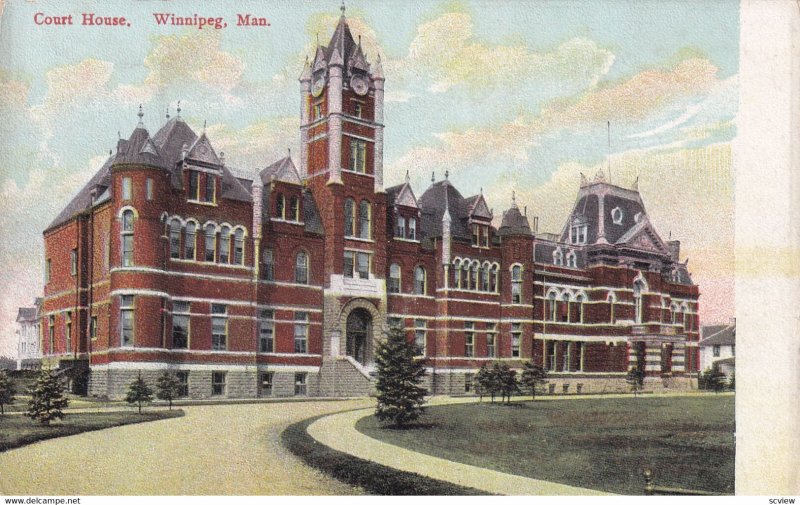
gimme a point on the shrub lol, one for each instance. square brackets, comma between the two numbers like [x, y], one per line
[139, 392]
[47, 398]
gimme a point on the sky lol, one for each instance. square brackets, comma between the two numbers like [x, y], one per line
[508, 96]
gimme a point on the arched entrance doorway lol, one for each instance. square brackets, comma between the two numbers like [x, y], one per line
[359, 330]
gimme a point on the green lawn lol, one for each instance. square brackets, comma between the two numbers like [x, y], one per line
[19, 430]
[601, 443]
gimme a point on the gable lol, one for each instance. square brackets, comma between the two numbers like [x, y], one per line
[644, 237]
[480, 209]
[406, 197]
[203, 152]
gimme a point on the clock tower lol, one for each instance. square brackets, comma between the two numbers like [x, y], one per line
[341, 162]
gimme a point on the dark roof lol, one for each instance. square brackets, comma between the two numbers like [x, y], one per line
[342, 40]
[726, 336]
[514, 223]
[282, 170]
[27, 314]
[83, 200]
[139, 149]
[392, 192]
[433, 202]
[232, 188]
[726, 361]
[708, 330]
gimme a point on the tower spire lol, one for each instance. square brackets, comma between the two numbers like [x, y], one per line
[141, 115]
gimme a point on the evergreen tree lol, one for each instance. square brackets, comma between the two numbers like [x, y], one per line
[480, 381]
[532, 376]
[47, 398]
[508, 382]
[400, 397]
[712, 379]
[139, 392]
[167, 388]
[635, 379]
[7, 391]
[732, 382]
[490, 380]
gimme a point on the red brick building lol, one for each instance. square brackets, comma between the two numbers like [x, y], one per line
[281, 286]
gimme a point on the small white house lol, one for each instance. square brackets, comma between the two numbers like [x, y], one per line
[29, 351]
[718, 346]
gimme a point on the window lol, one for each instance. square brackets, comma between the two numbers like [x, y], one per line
[265, 384]
[51, 333]
[394, 278]
[485, 277]
[716, 351]
[238, 247]
[180, 325]
[638, 289]
[572, 260]
[280, 206]
[419, 281]
[127, 188]
[47, 270]
[494, 285]
[266, 331]
[269, 265]
[363, 265]
[126, 320]
[73, 262]
[358, 110]
[558, 257]
[401, 227]
[148, 189]
[127, 238]
[468, 379]
[189, 241]
[564, 315]
[469, 339]
[300, 384]
[577, 232]
[612, 300]
[358, 156]
[68, 331]
[579, 301]
[294, 209]
[473, 275]
[395, 323]
[476, 234]
[457, 274]
[219, 327]
[491, 337]
[301, 332]
[365, 220]
[183, 383]
[412, 228]
[175, 239]
[616, 215]
[516, 335]
[420, 328]
[211, 242]
[225, 244]
[317, 110]
[211, 189]
[194, 186]
[349, 217]
[550, 356]
[301, 268]
[93, 328]
[218, 383]
[551, 309]
[516, 284]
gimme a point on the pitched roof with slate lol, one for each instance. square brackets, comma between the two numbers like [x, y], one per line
[282, 170]
[100, 182]
[726, 336]
[432, 203]
[27, 314]
[139, 149]
[514, 223]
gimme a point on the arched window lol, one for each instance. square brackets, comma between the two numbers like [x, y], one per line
[365, 220]
[412, 228]
[558, 257]
[638, 290]
[301, 268]
[516, 284]
[211, 242]
[189, 241]
[457, 273]
[238, 247]
[294, 209]
[127, 238]
[269, 265]
[564, 308]
[485, 276]
[673, 313]
[612, 300]
[494, 284]
[552, 305]
[349, 217]
[419, 281]
[401, 227]
[686, 317]
[394, 278]
[473, 275]
[572, 260]
[579, 301]
[225, 244]
[280, 206]
[175, 239]
[465, 275]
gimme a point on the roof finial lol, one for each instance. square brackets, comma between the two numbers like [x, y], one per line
[513, 198]
[317, 39]
[140, 114]
[179, 108]
[167, 111]
[342, 8]
[433, 177]
[408, 177]
[290, 151]
[204, 126]
[447, 174]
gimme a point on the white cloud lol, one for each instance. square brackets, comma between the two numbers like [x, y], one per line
[689, 113]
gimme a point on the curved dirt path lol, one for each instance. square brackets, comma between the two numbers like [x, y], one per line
[213, 450]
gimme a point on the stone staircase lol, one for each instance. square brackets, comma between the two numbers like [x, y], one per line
[343, 376]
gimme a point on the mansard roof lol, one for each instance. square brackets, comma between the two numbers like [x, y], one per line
[434, 200]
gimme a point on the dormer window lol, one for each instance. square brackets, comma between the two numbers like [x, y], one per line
[617, 215]
[294, 209]
[480, 235]
[194, 186]
[280, 206]
[578, 232]
[412, 229]
[558, 258]
[572, 260]
[211, 189]
[401, 227]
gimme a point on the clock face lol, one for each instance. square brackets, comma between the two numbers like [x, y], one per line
[318, 86]
[359, 85]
